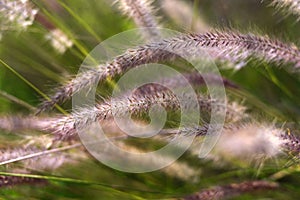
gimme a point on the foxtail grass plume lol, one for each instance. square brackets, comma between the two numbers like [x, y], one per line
[143, 15]
[231, 190]
[9, 181]
[183, 15]
[245, 141]
[14, 123]
[16, 14]
[241, 138]
[19, 14]
[253, 141]
[59, 40]
[44, 162]
[65, 127]
[243, 46]
[290, 6]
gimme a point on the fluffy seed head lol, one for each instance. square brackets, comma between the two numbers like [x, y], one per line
[59, 40]
[16, 14]
[250, 141]
[231, 190]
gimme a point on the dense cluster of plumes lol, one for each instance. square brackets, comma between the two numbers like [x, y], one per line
[241, 137]
[142, 100]
[232, 44]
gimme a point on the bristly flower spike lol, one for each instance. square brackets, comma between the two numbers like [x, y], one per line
[143, 15]
[231, 190]
[242, 46]
[9, 181]
[251, 141]
[290, 6]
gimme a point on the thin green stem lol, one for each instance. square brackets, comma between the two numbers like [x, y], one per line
[117, 188]
[16, 100]
[80, 20]
[30, 84]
